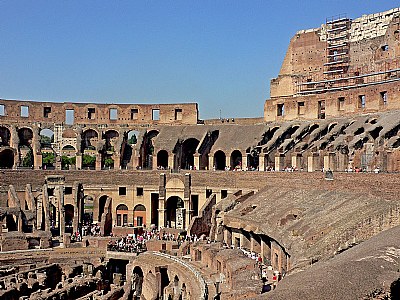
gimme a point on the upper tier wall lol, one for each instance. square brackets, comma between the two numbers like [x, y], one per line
[20, 111]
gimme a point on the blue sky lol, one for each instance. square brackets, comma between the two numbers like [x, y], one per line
[220, 54]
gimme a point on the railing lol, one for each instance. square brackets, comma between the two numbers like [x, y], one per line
[203, 285]
[348, 82]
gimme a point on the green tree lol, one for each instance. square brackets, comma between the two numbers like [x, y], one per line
[48, 158]
[44, 139]
[108, 162]
[88, 160]
[67, 161]
[132, 140]
[28, 159]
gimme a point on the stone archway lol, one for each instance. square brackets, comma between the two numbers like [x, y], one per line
[5, 136]
[188, 150]
[175, 212]
[69, 217]
[139, 215]
[162, 159]
[6, 159]
[122, 215]
[219, 160]
[25, 149]
[236, 160]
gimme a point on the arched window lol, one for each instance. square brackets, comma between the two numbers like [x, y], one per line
[122, 215]
[139, 215]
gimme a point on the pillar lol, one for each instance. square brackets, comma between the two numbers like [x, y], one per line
[228, 236]
[211, 162]
[78, 162]
[228, 161]
[313, 164]
[37, 155]
[261, 162]
[135, 161]
[329, 161]
[37, 160]
[279, 162]
[296, 161]
[98, 161]
[117, 162]
[244, 162]
[155, 163]
[197, 161]
[171, 160]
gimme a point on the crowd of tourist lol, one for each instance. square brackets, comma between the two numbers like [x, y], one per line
[91, 229]
[130, 243]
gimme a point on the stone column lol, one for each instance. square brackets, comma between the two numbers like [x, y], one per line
[171, 160]
[312, 162]
[296, 161]
[196, 161]
[37, 161]
[265, 250]
[61, 221]
[251, 242]
[261, 162]
[329, 161]
[117, 161]
[98, 161]
[161, 200]
[244, 162]
[210, 162]
[279, 162]
[228, 236]
[155, 163]
[78, 162]
[228, 161]
[14, 141]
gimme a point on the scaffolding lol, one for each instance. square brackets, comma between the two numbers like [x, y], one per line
[337, 46]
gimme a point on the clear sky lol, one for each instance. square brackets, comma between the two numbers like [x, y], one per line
[220, 54]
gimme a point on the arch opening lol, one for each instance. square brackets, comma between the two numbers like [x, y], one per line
[122, 215]
[5, 136]
[219, 160]
[6, 159]
[162, 159]
[147, 150]
[69, 217]
[188, 150]
[236, 160]
[175, 212]
[139, 215]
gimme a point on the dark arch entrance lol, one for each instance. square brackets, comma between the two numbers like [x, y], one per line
[69, 217]
[236, 160]
[6, 159]
[162, 159]
[173, 204]
[253, 160]
[147, 149]
[219, 160]
[25, 136]
[189, 147]
[89, 140]
[5, 136]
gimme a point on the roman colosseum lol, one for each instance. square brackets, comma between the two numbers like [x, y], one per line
[134, 201]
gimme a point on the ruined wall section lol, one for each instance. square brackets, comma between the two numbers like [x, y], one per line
[91, 113]
[304, 89]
